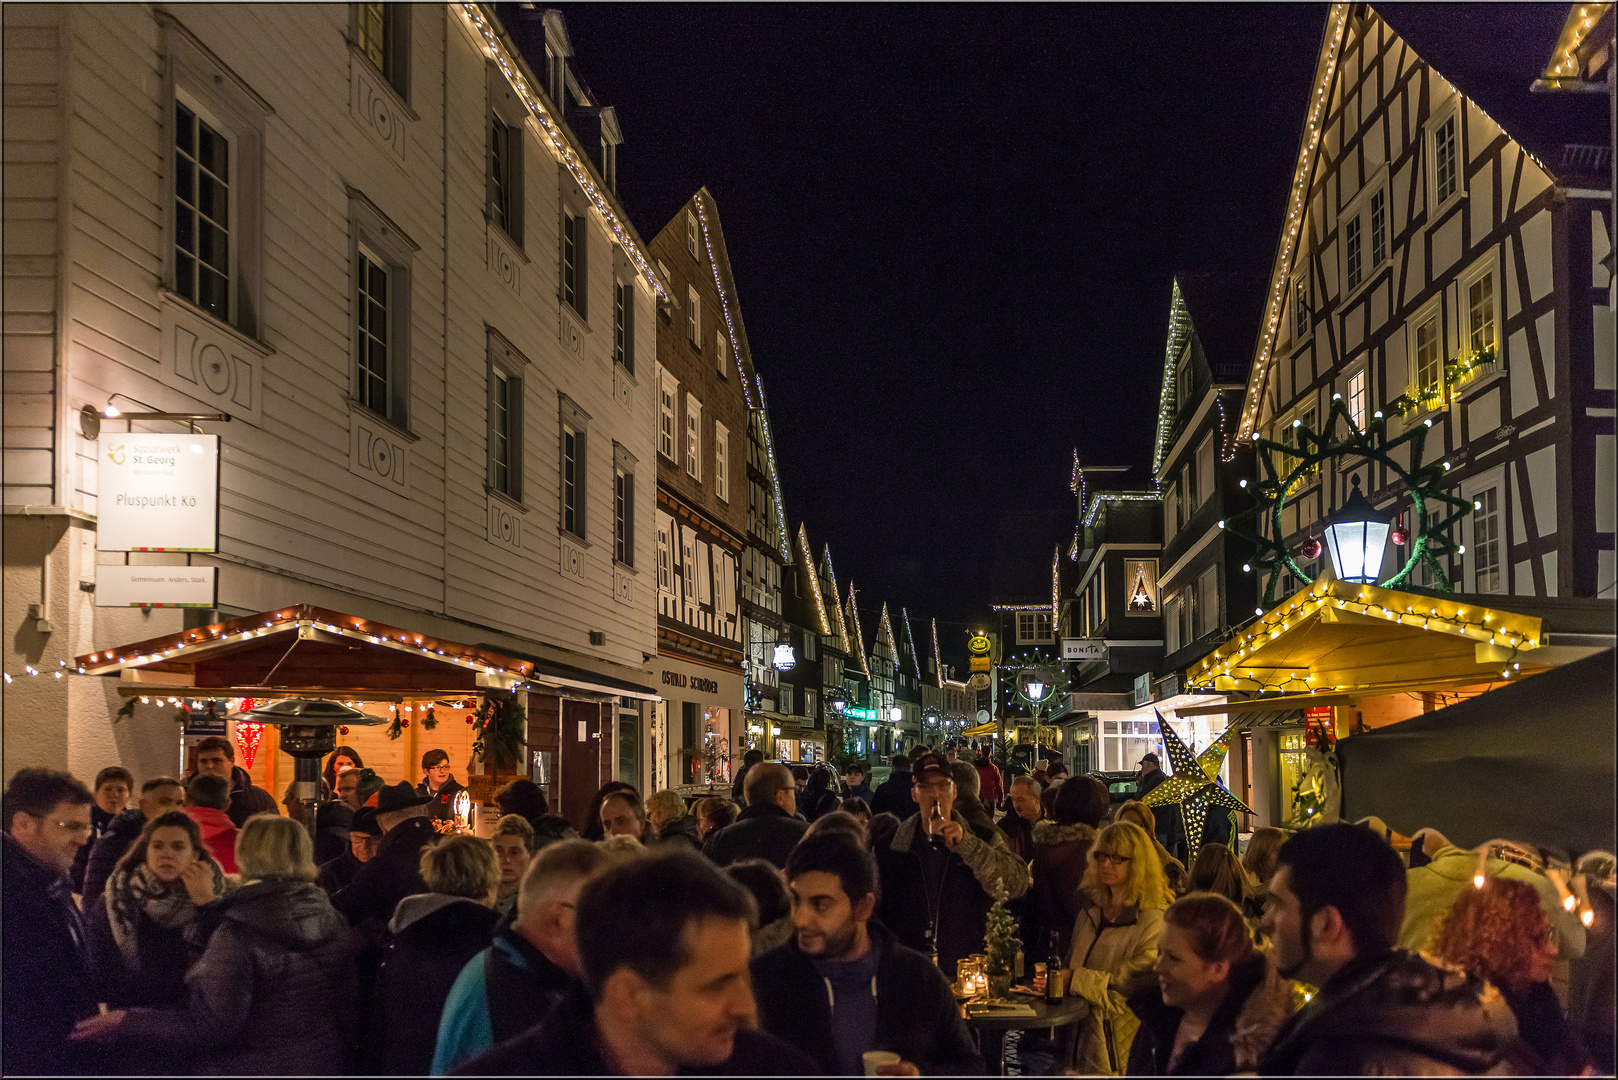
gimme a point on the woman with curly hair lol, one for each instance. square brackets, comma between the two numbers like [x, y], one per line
[1115, 938]
[1501, 932]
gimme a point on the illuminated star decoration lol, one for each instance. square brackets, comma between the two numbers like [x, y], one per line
[1194, 786]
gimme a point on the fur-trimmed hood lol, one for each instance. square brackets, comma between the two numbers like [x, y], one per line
[1267, 1008]
[1237, 1035]
[1050, 834]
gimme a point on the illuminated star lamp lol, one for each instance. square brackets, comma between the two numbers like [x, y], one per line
[1193, 787]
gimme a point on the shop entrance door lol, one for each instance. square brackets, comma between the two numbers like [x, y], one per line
[580, 770]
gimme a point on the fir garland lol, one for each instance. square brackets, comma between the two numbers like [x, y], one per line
[499, 724]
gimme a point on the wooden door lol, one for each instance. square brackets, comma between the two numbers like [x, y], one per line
[579, 770]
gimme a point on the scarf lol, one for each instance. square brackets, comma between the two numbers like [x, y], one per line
[133, 892]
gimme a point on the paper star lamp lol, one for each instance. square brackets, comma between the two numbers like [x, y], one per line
[1195, 786]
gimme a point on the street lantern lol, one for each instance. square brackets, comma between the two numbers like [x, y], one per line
[1356, 536]
[1035, 689]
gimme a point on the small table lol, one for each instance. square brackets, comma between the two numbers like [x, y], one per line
[1071, 1010]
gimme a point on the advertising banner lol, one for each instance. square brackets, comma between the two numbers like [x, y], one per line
[158, 492]
[157, 586]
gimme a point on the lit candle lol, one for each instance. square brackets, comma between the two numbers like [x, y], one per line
[1483, 867]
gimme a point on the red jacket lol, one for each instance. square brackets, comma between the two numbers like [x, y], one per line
[989, 790]
[218, 834]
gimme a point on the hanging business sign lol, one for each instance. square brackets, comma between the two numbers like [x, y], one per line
[981, 663]
[855, 712]
[157, 586]
[1083, 649]
[157, 492]
[1143, 689]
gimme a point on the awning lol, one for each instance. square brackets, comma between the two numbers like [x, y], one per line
[1333, 636]
[1532, 761]
[307, 651]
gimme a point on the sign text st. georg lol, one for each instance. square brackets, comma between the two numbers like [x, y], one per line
[157, 492]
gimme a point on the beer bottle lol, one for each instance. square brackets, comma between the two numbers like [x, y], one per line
[1055, 975]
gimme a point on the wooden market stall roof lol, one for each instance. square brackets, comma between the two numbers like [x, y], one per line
[315, 652]
[1338, 637]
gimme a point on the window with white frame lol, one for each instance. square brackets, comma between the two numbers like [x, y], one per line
[693, 437]
[505, 438]
[1208, 601]
[786, 699]
[1205, 468]
[809, 640]
[1365, 233]
[668, 393]
[505, 146]
[374, 294]
[1445, 144]
[381, 33]
[623, 324]
[1429, 355]
[574, 234]
[1480, 314]
[623, 506]
[1353, 251]
[202, 215]
[693, 318]
[810, 702]
[381, 258]
[1171, 510]
[1378, 214]
[1033, 627]
[1488, 540]
[665, 554]
[721, 354]
[1172, 609]
[1300, 307]
[572, 485]
[721, 461]
[1188, 493]
[1359, 397]
[691, 239]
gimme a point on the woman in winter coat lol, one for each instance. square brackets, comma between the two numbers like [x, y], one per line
[272, 991]
[1115, 939]
[137, 926]
[1061, 846]
[1216, 1002]
[1502, 933]
[433, 935]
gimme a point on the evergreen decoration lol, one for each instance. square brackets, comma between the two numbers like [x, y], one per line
[1000, 942]
[397, 724]
[1434, 532]
[500, 730]
[431, 719]
[127, 710]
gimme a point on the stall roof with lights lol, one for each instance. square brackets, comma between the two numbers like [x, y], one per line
[308, 651]
[1334, 637]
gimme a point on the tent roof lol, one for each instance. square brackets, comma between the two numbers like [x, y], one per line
[1532, 761]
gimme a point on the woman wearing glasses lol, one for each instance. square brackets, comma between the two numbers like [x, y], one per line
[1124, 896]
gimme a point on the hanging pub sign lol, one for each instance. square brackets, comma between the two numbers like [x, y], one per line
[157, 492]
[157, 586]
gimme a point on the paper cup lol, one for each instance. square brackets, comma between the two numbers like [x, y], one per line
[877, 1059]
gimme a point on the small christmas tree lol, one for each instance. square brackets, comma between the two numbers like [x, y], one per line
[1000, 942]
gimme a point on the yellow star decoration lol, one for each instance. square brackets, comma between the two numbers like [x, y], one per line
[1194, 785]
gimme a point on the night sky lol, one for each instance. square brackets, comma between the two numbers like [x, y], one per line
[953, 231]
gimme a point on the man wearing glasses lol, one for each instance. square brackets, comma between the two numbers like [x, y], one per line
[938, 877]
[48, 985]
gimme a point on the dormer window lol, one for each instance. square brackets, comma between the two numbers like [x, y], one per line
[609, 165]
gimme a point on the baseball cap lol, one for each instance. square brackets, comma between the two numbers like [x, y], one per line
[931, 767]
[1153, 758]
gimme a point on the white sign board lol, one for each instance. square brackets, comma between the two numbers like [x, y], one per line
[158, 492]
[157, 586]
[1143, 689]
[1074, 648]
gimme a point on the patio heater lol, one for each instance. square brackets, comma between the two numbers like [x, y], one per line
[308, 733]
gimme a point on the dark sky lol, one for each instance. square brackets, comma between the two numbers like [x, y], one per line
[953, 230]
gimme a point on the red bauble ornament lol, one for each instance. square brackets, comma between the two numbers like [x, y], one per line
[1400, 538]
[404, 723]
[470, 721]
[344, 730]
[1311, 548]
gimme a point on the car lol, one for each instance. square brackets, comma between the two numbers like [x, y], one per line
[1121, 786]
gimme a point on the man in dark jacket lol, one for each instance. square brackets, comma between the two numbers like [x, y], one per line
[767, 829]
[395, 873]
[854, 783]
[510, 986]
[364, 838]
[938, 876]
[892, 796]
[843, 986]
[158, 796]
[113, 786]
[739, 785]
[969, 806]
[48, 982]
[217, 756]
[665, 986]
[1337, 903]
[1027, 810]
[439, 784]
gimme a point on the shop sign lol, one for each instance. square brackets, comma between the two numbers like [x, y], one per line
[980, 681]
[978, 645]
[198, 724]
[690, 682]
[1083, 649]
[856, 712]
[1170, 686]
[158, 492]
[157, 586]
[1318, 725]
[980, 663]
[1143, 689]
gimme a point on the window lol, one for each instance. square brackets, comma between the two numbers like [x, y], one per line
[1446, 173]
[693, 318]
[1351, 248]
[1033, 626]
[381, 256]
[721, 353]
[665, 554]
[609, 164]
[574, 464]
[623, 506]
[1208, 602]
[1140, 587]
[1358, 397]
[381, 34]
[809, 645]
[668, 390]
[1429, 359]
[1300, 307]
[1188, 493]
[809, 702]
[1485, 549]
[1172, 609]
[721, 461]
[623, 324]
[786, 700]
[573, 251]
[691, 235]
[693, 438]
[505, 143]
[1480, 313]
[1171, 510]
[1205, 468]
[505, 417]
[1379, 226]
[201, 213]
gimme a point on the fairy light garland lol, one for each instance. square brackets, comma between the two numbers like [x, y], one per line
[561, 149]
[859, 635]
[836, 598]
[938, 658]
[782, 544]
[1179, 332]
[910, 636]
[814, 579]
[1056, 594]
[1118, 497]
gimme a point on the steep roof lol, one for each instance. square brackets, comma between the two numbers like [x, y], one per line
[1492, 53]
[1225, 309]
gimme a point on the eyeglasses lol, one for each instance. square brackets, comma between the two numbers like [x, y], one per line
[77, 828]
[1111, 859]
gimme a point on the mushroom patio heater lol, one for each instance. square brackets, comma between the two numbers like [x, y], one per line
[308, 733]
[1356, 536]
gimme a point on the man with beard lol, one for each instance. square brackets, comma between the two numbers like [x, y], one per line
[843, 986]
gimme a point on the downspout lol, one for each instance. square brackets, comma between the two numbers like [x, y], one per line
[443, 169]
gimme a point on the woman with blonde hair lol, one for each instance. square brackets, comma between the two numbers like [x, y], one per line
[1115, 938]
[1262, 848]
[273, 991]
[1174, 871]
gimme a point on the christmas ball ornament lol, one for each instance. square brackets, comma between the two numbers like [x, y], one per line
[469, 721]
[1311, 548]
[343, 729]
[404, 723]
[1400, 538]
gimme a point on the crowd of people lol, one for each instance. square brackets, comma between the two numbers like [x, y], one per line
[809, 924]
